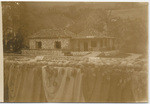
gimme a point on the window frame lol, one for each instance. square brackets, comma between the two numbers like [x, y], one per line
[58, 45]
[38, 46]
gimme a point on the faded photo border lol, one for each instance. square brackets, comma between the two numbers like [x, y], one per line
[1, 59]
[1, 38]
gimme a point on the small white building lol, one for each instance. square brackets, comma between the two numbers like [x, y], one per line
[88, 40]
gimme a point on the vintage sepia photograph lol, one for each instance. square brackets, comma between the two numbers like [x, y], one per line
[92, 52]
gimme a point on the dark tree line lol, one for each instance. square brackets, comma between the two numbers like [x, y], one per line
[13, 43]
[12, 27]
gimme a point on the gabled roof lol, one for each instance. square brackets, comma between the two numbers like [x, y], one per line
[52, 33]
[61, 33]
[90, 33]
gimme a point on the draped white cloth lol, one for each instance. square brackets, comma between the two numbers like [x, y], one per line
[47, 83]
[65, 87]
[24, 84]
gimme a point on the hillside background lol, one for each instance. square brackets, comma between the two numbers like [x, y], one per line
[126, 21]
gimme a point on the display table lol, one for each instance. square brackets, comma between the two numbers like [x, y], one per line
[49, 82]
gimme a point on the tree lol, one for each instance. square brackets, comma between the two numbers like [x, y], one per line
[132, 35]
[12, 23]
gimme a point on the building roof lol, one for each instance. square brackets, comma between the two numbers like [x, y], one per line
[61, 33]
[52, 33]
[91, 33]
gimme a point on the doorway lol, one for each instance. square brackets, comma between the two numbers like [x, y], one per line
[85, 46]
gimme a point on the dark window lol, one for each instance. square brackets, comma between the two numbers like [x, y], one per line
[58, 45]
[93, 44]
[39, 45]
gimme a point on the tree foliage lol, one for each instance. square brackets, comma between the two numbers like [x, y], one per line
[12, 26]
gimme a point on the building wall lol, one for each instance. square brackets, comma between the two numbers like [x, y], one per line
[43, 52]
[73, 44]
[101, 44]
[50, 43]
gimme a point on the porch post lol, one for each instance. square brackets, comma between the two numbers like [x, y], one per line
[107, 43]
[101, 43]
[89, 45]
[78, 45]
[111, 43]
[98, 44]
[104, 43]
